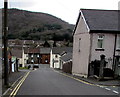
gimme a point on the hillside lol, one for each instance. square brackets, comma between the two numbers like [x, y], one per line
[33, 25]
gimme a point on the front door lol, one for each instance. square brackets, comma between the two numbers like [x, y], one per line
[117, 66]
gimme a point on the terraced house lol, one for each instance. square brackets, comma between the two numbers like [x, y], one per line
[96, 33]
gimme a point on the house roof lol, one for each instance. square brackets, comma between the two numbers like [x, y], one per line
[101, 20]
[67, 57]
[31, 50]
[45, 50]
[60, 50]
[28, 42]
[17, 53]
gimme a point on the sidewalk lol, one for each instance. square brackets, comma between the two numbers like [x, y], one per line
[14, 77]
[109, 82]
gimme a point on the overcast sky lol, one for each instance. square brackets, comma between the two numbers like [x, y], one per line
[67, 10]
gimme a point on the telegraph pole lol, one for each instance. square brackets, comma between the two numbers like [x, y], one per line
[5, 44]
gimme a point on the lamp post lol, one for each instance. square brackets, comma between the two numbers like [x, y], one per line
[5, 44]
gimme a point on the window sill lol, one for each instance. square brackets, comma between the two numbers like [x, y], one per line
[118, 49]
[99, 49]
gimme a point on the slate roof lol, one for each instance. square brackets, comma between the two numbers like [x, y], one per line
[34, 50]
[101, 20]
[31, 50]
[67, 57]
[45, 50]
[60, 50]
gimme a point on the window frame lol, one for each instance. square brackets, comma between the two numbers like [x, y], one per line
[100, 39]
[118, 42]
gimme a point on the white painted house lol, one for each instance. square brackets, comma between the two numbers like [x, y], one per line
[24, 57]
[96, 33]
[56, 53]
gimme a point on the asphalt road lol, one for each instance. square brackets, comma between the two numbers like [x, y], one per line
[46, 81]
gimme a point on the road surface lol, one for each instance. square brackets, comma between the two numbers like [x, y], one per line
[46, 81]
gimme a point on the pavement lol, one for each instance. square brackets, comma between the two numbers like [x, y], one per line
[14, 77]
[106, 82]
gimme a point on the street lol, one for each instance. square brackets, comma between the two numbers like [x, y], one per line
[47, 81]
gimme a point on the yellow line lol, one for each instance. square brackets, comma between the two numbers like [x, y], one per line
[19, 84]
[79, 80]
[16, 86]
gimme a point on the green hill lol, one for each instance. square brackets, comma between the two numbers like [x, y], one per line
[37, 26]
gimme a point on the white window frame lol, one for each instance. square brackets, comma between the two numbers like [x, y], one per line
[100, 38]
[38, 56]
[32, 56]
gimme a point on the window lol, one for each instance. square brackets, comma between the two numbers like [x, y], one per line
[56, 56]
[79, 44]
[118, 42]
[32, 55]
[32, 60]
[100, 42]
[26, 55]
[38, 56]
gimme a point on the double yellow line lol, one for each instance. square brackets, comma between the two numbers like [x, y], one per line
[91, 84]
[14, 92]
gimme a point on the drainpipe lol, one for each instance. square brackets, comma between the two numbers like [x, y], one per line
[114, 53]
[90, 53]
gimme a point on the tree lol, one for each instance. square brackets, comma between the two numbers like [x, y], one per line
[54, 44]
[46, 44]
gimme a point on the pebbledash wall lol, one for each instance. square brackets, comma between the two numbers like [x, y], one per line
[81, 49]
[108, 46]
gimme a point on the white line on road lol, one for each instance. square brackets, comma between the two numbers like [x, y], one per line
[101, 86]
[108, 89]
[115, 92]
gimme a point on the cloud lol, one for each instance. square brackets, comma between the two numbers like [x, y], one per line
[21, 3]
[67, 10]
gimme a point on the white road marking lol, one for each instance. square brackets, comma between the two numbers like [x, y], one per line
[115, 92]
[108, 89]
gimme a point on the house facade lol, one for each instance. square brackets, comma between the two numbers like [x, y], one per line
[56, 53]
[45, 55]
[66, 62]
[96, 33]
[16, 58]
[24, 57]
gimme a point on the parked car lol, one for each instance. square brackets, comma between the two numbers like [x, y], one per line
[36, 66]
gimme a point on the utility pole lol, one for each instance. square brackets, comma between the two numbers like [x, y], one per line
[5, 44]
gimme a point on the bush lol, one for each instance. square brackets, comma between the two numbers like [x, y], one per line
[23, 67]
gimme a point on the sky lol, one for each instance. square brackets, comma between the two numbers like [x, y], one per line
[67, 10]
